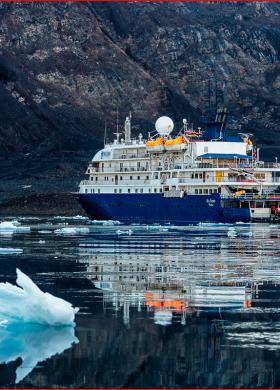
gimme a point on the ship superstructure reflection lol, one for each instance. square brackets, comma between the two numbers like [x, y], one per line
[176, 274]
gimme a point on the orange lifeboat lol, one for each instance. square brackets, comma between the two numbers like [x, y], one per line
[156, 145]
[177, 143]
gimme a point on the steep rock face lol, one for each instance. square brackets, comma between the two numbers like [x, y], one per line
[64, 68]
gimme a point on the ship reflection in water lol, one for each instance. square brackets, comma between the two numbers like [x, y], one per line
[161, 307]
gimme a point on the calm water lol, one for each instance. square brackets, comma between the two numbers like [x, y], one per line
[160, 306]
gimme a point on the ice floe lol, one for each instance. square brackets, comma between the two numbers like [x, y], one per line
[33, 344]
[104, 222]
[8, 251]
[120, 232]
[72, 230]
[13, 227]
[29, 304]
[247, 234]
[232, 232]
[75, 217]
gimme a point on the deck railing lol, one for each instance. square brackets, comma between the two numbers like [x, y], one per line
[252, 196]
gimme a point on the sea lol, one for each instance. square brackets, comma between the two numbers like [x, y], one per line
[160, 306]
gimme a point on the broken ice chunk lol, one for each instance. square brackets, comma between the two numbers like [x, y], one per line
[29, 304]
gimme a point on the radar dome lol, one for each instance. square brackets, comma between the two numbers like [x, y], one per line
[164, 125]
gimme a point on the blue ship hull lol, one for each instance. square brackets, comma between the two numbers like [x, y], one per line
[154, 208]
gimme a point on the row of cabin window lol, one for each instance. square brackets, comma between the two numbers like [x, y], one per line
[106, 178]
[206, 191]
[199, 176]
[136, 190]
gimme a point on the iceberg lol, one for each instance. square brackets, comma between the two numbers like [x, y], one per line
[28, 303]
[72, 230]
[33, 344]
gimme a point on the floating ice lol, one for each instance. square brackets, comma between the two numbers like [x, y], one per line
[105, 222]
[13, 227]
[128, 232]
[72, 230]
[29, 304]
[75, 217]
[44, 231]
[33, 344]
[231, 232]
[247, 234]
[42, 241]
[8, 251]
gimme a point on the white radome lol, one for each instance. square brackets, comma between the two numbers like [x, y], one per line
[164, 125]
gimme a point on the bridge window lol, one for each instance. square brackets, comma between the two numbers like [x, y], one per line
[115, 190]
[98, 190]
[141, 190]
[120, 191]
[136, 190]
[130, 177]
[155, 190]
[128, 190]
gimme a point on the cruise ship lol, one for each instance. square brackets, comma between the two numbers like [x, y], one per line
[181, 177]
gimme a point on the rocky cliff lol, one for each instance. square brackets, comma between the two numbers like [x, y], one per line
[64, 68]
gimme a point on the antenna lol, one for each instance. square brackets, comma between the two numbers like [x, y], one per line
[117, 134]
[105, 132]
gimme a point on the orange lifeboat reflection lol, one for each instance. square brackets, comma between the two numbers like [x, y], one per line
[155, 303]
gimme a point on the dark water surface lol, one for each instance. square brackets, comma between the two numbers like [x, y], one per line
[160, 306]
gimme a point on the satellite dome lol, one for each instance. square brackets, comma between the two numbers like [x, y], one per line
[164, 125]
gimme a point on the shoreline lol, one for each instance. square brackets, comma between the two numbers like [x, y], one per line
[53, 203]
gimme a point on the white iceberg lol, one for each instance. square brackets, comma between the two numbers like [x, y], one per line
[72, 230]
[28, 303]
[33, 344]
[9, 251]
